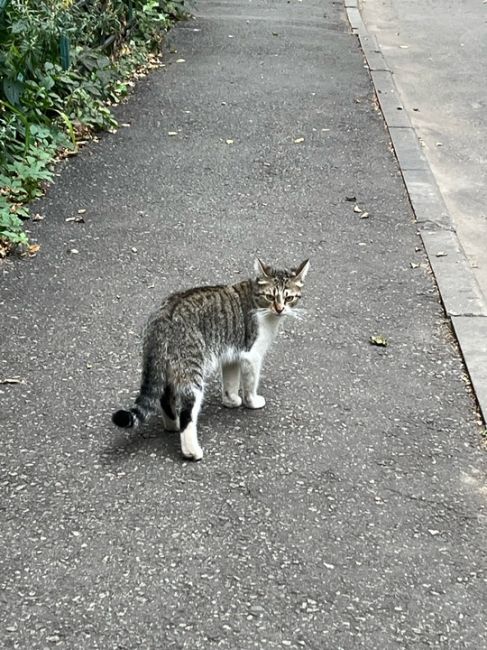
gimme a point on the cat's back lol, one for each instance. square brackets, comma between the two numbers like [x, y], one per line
[198, 301]
[218, 312]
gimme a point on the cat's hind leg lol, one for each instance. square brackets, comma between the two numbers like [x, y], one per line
[188, 417]
[170, 415]
[250, 369]
[231, 384]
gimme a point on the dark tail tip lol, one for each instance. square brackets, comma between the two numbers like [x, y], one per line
[124, 419]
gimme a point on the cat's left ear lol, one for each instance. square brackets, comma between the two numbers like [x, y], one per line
[300, 273]
[261, 268]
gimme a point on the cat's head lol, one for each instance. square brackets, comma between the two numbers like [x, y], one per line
[279, 291]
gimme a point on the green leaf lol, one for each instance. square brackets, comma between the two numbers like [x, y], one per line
[13, 90]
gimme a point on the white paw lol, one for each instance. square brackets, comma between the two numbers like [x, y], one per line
[254, 402]
[189, 443]
[192, 453]
[231, 401]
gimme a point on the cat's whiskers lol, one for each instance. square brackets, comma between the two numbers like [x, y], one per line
[297, 313]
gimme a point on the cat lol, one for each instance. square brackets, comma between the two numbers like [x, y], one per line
[197, 331]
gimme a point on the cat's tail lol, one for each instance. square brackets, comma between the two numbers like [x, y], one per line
[145, 403]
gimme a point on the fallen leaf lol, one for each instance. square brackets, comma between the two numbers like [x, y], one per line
[180, 60]
[70, 218]
[433, 532]
[10, 380]
[441, 254]
[350, 198]
[404, 47]
[172, 133]
[378, 340]
[275, 33]
[79, 220]
[133, 249]
[82, 211]
[33, 249]
[73, 251]
[229, 141]
[298, 140]
[38, 217]
[414, 265]
[364, 215]
[357, 209]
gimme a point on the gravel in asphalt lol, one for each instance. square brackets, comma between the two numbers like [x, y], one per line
[350, 512]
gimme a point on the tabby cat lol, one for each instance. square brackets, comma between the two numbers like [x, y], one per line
[194, 332]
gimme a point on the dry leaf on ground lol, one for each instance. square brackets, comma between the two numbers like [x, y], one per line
[33, 249]
[379, 340]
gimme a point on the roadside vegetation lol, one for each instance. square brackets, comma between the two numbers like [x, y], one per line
[62, 64]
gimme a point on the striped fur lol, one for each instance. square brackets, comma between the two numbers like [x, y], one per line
[195, 332]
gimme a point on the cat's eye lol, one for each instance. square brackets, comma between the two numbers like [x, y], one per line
[269, 296]
[289, 298]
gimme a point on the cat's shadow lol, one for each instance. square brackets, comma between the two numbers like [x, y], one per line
[150, 438]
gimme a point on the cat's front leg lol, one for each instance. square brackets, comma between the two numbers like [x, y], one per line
[250, 369]
[231, 384]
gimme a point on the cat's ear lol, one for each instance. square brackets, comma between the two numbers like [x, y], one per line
[300, 273]
[261, 268]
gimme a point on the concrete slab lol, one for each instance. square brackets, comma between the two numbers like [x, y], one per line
[407, 148]
[472, 336]
[429, 208]
[460, 294]
[389, 99]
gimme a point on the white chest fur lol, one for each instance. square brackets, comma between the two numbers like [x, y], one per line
[268, 327]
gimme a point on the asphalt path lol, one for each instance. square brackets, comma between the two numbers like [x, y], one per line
[350, 512]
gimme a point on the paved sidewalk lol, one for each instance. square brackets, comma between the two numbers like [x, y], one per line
[426, 62]
[350, 513]
[437, 52]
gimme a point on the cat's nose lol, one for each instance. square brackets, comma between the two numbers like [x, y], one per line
[279, 308]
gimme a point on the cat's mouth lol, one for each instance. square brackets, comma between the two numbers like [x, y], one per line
[282, 312]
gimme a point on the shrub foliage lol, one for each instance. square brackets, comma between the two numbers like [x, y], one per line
[62, 62]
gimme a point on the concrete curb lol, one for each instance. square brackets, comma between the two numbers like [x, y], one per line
[460, 293]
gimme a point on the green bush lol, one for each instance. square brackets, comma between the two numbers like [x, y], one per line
[62, 62]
